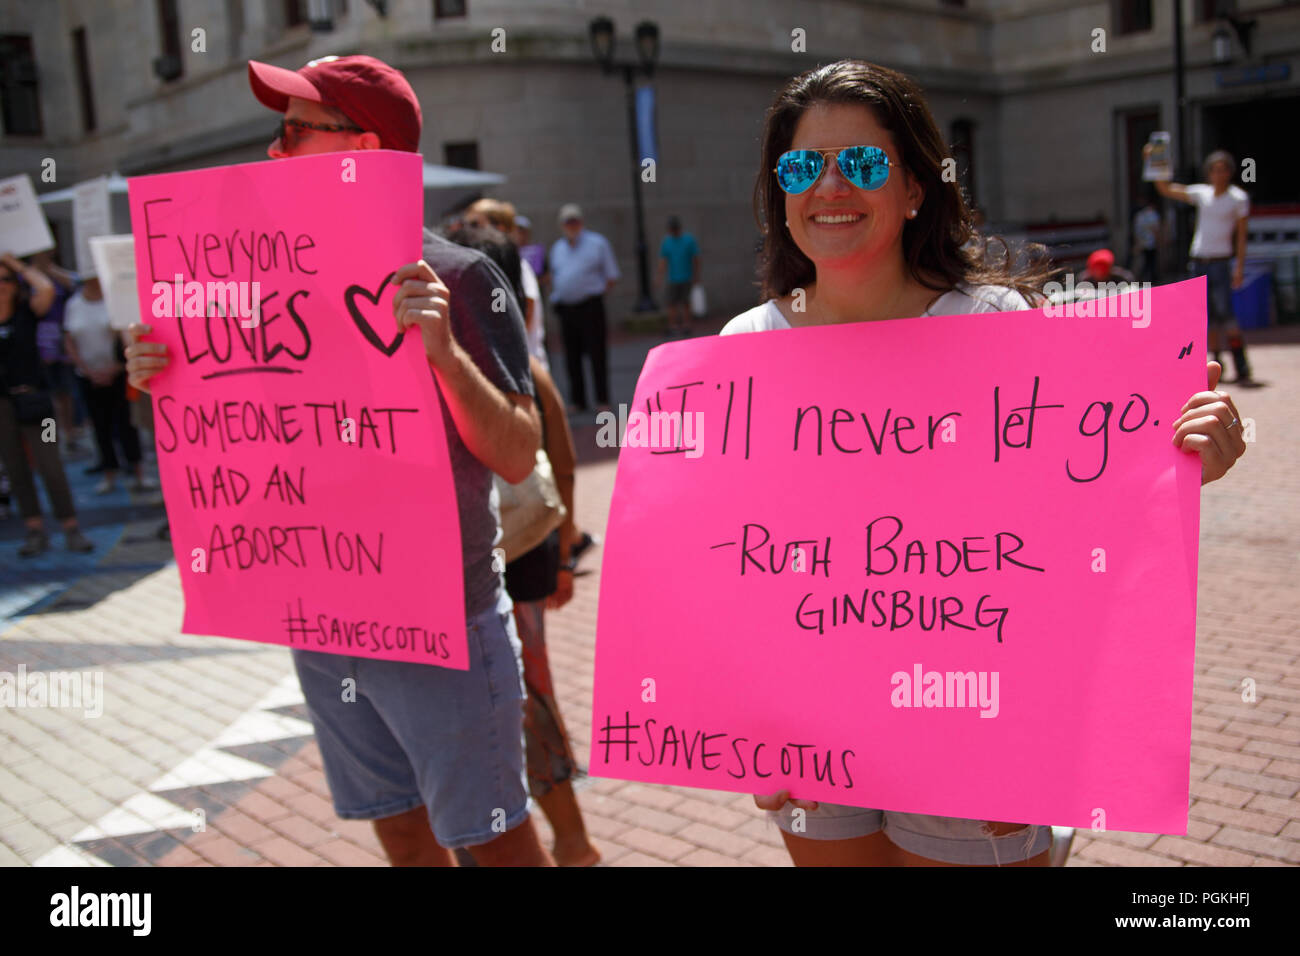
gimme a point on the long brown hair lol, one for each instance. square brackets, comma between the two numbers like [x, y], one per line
[935, 248]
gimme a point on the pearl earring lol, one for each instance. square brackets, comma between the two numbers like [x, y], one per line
[912, 214]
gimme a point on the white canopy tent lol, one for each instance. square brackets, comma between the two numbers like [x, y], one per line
[445, 189]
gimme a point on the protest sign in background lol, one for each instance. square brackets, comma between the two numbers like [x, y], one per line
[23, 229]
[942, 565]
[91, 216]
[300, 437]
[113, 260]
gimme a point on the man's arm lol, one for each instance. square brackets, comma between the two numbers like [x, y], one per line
[1239, 273]
[501, 430]
[1174, 191]
[610, 265]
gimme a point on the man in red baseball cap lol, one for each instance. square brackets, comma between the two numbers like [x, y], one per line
[433, 756]
[1102, 268]
[361, 103]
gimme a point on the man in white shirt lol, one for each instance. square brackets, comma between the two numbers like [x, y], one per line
[582, 271]
[1221, 214]
[95, 350]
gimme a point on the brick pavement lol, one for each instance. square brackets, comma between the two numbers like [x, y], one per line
[205, 724]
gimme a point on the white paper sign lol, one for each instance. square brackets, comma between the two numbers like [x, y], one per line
[91, 216]
[23, 229]
[1158, 165]
[114, 261]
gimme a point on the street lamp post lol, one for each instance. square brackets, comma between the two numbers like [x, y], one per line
[1184, 171]
[602, 47]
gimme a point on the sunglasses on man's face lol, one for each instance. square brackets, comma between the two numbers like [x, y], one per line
[290, 131]
[798, 170]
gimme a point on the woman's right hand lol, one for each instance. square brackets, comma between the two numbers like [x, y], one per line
[776, 801]
[143, 359]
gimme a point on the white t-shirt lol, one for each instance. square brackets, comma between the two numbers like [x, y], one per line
[88, 324]
[1216, 219]
[535, 320]
[963, 300]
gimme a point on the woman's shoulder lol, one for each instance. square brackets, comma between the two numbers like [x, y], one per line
[967, 299]
[761, 318]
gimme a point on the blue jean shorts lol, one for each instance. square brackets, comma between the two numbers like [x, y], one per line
[1218, 289]
[946, 839]
[420, 735]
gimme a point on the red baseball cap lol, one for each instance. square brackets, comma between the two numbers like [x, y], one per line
[1100, 263]
[371, 93]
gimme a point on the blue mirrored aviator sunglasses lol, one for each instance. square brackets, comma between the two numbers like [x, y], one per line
[866, 167]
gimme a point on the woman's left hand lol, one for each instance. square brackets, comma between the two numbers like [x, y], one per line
[1210, 426]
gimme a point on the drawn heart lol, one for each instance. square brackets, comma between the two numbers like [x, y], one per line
[349, 299]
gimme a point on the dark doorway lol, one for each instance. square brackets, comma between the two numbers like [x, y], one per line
[1250, 130]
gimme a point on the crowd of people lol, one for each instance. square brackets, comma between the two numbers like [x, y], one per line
[865, 232]
[61, 362]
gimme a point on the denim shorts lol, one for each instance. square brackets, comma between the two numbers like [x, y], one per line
[1218, 289]
[420, 735]
[946, 839]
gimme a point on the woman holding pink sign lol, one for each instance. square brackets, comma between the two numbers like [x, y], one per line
[860, 225]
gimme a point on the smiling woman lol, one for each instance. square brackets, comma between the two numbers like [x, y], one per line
[860, 225]
[883, 199]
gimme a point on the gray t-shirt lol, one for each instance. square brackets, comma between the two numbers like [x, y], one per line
[497, 344]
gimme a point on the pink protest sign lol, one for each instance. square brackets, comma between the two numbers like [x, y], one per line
[300, 438]
[940, 565]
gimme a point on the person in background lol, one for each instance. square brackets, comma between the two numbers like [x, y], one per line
[69, 411]
[583, 270]
[500, 215]
[539, 580]
[534, 253]
[1222, 211]
[96, 350]
[1148, 238]
[1101, 268]
[27, 410]
[679, 259]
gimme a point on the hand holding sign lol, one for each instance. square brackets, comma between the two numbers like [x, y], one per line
[422, 302]
[1211, 426]
[144, 359]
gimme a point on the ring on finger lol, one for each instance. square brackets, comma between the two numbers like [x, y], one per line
[1232, 423]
